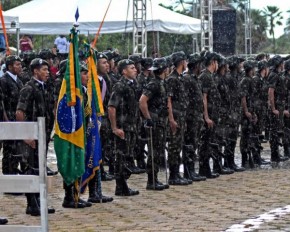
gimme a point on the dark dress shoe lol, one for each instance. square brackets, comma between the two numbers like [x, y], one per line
[107, 199]
[156, 186]
[30, 210]
[86, 203]
[212, 175]
[129, 192]
[225, 171]
[265, 162]
[50, 172]
[166, 186]
[137, 170]
[72, 204]
[236, 168]
[177, 181]
[3, 221]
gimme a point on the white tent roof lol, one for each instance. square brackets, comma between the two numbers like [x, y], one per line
[57, 17]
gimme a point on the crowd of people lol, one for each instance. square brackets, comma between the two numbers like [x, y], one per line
[191, 106]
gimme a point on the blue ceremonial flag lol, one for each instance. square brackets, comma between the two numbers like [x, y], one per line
[93, 148]
[77, 14]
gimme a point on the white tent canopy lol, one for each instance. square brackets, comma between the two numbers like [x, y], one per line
[45, 17]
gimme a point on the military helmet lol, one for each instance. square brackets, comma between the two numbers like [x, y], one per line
[159, 63]
[62, 67]
[260, 56]
[262, 64]
[109, 54]
[249, 64]
[169, 61]
[9, 60]
[194, 58]
[222, 61]
[83, 67]
[235, 60]
[276, 61]
[122, 64]
[27, 56]
[209, 56]
[287, 65]
[136, 58]
[36, 63]
[147, 62]
[46, 54]
[101, 55]
[177, 57]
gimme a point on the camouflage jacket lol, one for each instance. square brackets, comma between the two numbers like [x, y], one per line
[246, 90]
[10, 89]
[260, 93]
[276, 81]
[123, 99]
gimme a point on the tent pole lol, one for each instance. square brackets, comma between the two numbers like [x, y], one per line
[18, 38]
[158, 38]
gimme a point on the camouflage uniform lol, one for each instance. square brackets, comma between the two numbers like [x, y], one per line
[286, 138]
[208, 135]
[11, 91]
[247, 125]
[276, 82]
[124, 101]
[194, 124]
[157, 106]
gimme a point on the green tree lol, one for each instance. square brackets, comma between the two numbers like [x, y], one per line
[287, 28]
[8, 4]
[274, 17]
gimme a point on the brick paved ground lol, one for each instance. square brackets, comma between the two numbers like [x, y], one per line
[213, 205]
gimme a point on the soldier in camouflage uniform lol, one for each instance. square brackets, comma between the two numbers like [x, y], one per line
[222, 128]
[260, 103]
[249, 118]
[122, 110]
[194, 118]
[277, 99]
[177, 105]
[48, 56]
[33, 103]
[153, 105]
[26, 74]
[142, 79]
[234, 77]
[286, 138]
[11, 86]
[211, 102]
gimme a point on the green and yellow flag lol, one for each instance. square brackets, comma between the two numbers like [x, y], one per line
[69, 141]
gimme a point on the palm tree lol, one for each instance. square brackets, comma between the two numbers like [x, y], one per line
[273, 14]
[287, 28]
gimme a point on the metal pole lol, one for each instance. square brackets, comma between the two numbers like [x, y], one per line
[18, 38]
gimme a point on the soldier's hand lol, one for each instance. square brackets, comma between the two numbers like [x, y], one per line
[173, 126]
[31, 143]
[209, 123]
[286, 113]
[120, 133]
[149, 123]
[248, 115]
[276, 112]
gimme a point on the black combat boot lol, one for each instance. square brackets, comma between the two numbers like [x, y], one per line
[286, 150]
[69, 198]
[154, 185]
[218, 168]
[174, 177]
[189, 173]
[32, 205]
[232, 164]
[49, 210]
[204, 169]
[245, 163]
[104, 175]
[122, 188]
[94, 196]
[3, 221]
[134, 169]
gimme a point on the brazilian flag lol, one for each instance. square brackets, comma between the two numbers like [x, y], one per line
[69, 141]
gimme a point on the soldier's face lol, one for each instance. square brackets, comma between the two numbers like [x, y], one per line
[42, 73]
[16, 68]
[103, 66]
[84, 78]
[130, 71]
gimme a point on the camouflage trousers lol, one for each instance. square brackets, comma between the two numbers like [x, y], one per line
[158, 142]
[123, 150]
[107, 140]
[10, 161]
[192, 138]
[175, 144]
[276, 134]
